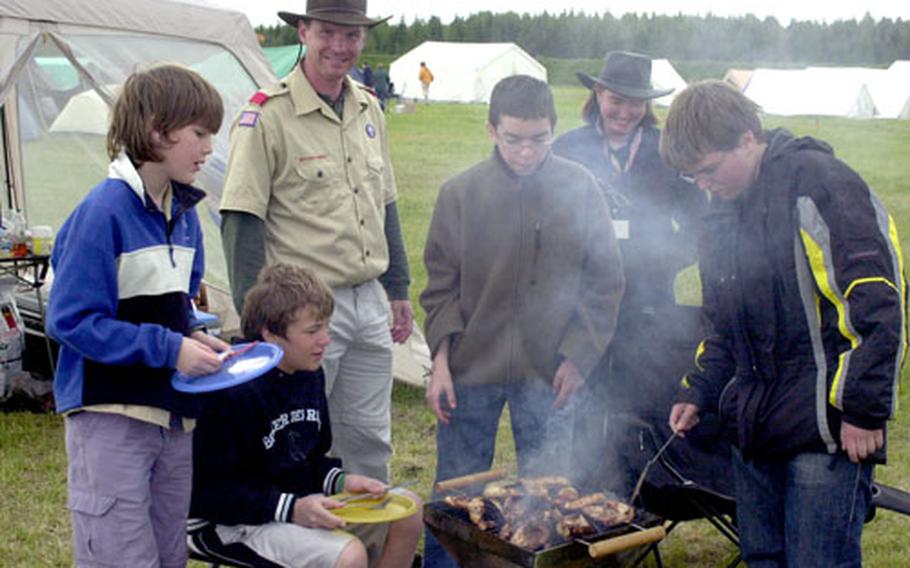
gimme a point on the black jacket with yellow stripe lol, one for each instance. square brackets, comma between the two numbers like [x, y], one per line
[803, 286]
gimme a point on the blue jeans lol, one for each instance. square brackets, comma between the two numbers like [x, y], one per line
[804, 511]
[468, 442]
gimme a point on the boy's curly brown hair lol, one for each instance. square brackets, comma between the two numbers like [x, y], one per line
[281, 290]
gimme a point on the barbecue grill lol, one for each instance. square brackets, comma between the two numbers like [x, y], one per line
[472, 547]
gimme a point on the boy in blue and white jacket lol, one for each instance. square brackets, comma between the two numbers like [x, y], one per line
[127, 262]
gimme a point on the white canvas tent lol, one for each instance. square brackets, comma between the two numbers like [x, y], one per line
[464, 72]
[739, 78]
[665, 76]
[789, 92]
[890, 91]
[838, 91]
[85, 113]
[889, 88]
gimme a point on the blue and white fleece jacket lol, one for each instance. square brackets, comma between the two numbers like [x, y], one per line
[120, 304]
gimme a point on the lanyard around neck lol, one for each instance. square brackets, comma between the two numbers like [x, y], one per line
[633, 150]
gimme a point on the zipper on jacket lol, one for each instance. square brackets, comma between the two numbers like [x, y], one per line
[516, 282]
[152, 208]
[537, 246]
[169, 226]
[737, 285]
[168, 230]
[723, 395]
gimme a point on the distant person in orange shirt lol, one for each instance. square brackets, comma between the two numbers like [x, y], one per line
[426, 77]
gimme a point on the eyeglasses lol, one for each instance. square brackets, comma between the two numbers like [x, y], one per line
[706, 172]
[518, 143]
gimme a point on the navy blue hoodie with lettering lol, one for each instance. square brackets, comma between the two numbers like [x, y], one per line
[261, 445]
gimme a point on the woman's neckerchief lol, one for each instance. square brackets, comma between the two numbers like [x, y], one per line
[627, 152]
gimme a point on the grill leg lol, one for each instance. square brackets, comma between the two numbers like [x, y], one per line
[652, 549]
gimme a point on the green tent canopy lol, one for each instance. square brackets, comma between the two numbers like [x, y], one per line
[283, 58]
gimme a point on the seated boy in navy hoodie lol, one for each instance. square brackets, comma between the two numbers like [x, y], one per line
[262, 479]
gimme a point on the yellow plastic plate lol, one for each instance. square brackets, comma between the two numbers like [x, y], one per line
[399, 507]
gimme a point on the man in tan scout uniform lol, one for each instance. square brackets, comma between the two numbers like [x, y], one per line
[309, 182]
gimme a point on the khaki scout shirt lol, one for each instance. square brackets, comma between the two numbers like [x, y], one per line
[320, 184]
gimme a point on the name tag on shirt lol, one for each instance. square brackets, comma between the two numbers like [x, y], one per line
[621, 228]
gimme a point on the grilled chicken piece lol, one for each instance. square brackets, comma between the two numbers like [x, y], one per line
[609, 513]
[565, 495]
[522, 508]
[585, 501]
[572, 526]
[547, 486]
[539, 491]
[532, 535]
[500, 491]
[457, 501]
[538, 512]
[485, 513]
[505, 531]
[547, 480]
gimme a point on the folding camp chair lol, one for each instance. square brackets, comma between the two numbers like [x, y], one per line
[205, 546]
[889, 498]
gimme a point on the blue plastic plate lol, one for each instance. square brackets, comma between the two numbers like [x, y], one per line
[253, 362]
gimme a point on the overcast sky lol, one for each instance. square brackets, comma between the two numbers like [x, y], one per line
[263, 11]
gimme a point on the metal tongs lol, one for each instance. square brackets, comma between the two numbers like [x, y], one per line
[644, 472]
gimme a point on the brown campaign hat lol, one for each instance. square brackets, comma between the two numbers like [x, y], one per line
[627, 74]
[341, 12]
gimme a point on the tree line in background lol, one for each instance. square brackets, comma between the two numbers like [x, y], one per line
[573, 35]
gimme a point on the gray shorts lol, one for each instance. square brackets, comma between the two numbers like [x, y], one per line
[358, 378]
[129, 488]
[288, 544]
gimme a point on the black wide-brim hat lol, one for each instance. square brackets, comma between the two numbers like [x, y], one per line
[341, 12]
[627, 74]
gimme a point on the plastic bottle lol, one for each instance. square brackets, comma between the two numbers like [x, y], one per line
[6, 243]
[19, 238]
[42, 237]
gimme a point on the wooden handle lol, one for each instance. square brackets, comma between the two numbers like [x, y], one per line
[620, 543]
[464, 481]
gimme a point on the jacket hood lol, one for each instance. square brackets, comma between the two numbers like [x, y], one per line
[781, 142]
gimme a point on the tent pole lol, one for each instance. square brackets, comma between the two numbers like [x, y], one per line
[7, 179]
[13, 150]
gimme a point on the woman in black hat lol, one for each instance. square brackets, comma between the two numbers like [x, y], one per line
[654, 218]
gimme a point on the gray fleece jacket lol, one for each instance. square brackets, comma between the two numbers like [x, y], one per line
[522, 272]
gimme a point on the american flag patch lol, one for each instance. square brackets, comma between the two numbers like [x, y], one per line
[248, 118]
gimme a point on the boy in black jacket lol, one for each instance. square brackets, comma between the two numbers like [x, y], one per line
[803, 285]
[262, 478]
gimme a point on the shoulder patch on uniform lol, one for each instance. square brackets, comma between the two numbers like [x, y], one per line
[370, 90]
[259, 97]
[248, 118]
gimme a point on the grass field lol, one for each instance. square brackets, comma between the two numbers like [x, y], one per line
[428, 146]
